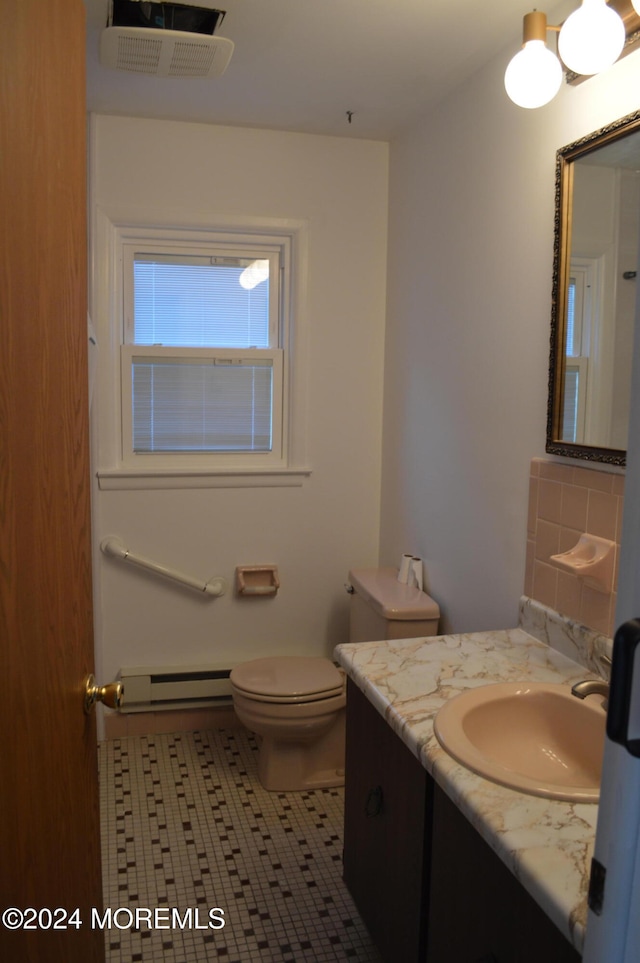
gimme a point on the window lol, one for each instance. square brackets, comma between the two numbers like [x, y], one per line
[580, 294]
[202, 358]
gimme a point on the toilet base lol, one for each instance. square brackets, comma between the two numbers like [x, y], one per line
[292, 766]
[302, 736]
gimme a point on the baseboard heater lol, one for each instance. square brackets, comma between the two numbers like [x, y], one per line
[152, 689]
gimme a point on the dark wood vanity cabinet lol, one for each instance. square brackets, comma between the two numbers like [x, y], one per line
[478, 912]
[428, 887]
[388, 801]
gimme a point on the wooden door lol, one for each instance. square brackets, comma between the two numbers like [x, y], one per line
[49, 820]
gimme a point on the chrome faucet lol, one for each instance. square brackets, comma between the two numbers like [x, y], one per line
[590, 687]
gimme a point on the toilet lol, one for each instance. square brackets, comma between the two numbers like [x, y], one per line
[296, 704]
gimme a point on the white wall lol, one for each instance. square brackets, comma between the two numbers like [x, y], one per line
[471, 204]
[314, 532]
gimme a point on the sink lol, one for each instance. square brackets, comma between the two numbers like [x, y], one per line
[534, 737]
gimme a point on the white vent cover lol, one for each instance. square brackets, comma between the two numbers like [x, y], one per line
[164, 53]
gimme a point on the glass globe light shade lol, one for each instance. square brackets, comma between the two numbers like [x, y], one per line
[533, 76]
[592, 38]
[636, 6]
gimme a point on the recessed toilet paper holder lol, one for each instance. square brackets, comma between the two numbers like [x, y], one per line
[592, 559]
[254, 580]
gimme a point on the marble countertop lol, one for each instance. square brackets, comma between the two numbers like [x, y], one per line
[547, 844]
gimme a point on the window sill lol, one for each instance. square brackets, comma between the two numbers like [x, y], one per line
[120, 479]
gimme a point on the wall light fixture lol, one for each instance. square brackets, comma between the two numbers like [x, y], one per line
[590, 40]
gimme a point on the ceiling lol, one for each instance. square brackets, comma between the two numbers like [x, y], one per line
[303, 64]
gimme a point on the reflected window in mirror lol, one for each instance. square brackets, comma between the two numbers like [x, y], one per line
[576, 372]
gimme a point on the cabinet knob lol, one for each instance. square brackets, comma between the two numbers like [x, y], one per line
[374, 803]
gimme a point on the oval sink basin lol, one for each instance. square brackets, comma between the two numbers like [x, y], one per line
[533, 737]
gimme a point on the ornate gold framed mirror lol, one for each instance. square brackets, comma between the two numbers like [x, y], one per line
[597, 223]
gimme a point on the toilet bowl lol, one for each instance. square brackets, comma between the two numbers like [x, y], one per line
[296, 704]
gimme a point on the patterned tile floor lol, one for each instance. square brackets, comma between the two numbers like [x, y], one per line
[186, 826]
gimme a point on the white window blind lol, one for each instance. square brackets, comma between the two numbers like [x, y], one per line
[574, 399]
[192, 405]
[200, 302]
[570, 410]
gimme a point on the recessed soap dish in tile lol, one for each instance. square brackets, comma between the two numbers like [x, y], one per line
[592, 559]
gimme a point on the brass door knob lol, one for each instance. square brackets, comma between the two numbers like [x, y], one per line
[110, 695]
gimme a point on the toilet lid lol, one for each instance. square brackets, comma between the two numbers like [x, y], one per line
[289, 678]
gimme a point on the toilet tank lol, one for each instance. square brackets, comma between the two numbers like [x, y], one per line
[381, 607]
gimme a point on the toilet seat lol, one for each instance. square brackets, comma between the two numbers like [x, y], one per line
[288, 679]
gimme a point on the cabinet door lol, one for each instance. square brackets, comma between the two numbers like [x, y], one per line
[386, 833]
[479, 912]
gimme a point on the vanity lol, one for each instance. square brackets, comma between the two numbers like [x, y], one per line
[444, 865]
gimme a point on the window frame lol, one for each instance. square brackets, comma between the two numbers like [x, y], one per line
[194, 459]
[593, 359]
[577, 353]
[112, 227]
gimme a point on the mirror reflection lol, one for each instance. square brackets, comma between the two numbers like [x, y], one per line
[595, 264]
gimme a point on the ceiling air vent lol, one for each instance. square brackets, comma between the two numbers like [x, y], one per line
[164, 40]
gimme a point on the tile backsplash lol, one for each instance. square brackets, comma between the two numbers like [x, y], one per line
[566, 501]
